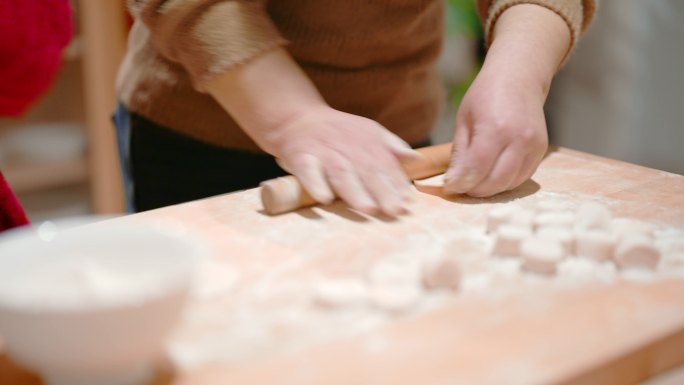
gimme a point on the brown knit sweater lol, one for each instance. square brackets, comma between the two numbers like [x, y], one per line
[371, 58]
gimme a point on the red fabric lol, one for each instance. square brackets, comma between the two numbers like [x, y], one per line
[11, 213]
[33, 34]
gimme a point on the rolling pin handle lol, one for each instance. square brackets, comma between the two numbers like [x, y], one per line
[284, 194]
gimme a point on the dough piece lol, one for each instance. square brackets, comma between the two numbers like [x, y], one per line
[441, 273]
[541, 255]
[560, 234]
[676, 246]
[550, 206]
[218, 279]
[500, 215]
[555, 219]
[396, 299]
[631, 228]
[390, 272]
[341, 293]
[523, 218]
[436, 181]
[593, 216]
[508, 238]
[637, 252]
[596, 244]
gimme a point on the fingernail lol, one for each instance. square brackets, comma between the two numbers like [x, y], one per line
[452, 184]
[461, 182]
[367, 206]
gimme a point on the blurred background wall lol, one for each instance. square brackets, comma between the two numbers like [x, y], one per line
[622, 94]
[60, 157]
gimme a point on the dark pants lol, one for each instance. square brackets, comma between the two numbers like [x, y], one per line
[161, 167]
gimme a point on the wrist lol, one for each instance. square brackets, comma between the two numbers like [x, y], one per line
[289, 125]
[506, 72]
[265, 94]
[529, 42]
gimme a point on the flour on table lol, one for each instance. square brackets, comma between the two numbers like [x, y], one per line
[396, 299]
[341, 292]
[220, 279]
[547, 241]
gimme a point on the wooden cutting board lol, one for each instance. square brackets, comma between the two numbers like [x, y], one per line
[620, 332]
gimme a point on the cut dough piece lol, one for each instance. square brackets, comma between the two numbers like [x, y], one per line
[541, 255]
[441, 273]
[500, 215]
[219, 279]
[341, 293]
[508, 238]
[434, 181]
[596, 244]
[390, 272]
[593, 216]
[523, 218]
[396, 299]
[560, 234]
[631, 228]
[433, 185]
[555, 219]
[637, 252]
[550, 206]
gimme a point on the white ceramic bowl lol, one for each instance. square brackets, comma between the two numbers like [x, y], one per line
[93, 304]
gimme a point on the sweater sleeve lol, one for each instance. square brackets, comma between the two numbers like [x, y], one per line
[577, 14]
[207, 37]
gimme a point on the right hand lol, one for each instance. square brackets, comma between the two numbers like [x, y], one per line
[334, 153]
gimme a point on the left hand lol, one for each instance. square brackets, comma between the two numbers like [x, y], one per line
[500, 136]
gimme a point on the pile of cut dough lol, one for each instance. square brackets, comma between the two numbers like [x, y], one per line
[542, 236]
[393, 285]
[549, 232]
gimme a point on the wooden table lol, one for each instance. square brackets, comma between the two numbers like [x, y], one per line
[621, 332]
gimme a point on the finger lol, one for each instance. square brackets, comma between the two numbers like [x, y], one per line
[475, 164]
[403, 185]
[396, 176]
[282, 164]
[526, 171]
[505, 171]
[385, 180]
[309, 171]
[347, 184]
[458, 152]
[383, 192]
[398, 146]
[387, 183]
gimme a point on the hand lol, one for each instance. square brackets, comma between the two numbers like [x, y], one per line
[331, 152]
[500, 136]
[336, 153]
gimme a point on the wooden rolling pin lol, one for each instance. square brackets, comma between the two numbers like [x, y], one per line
[282, 195]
